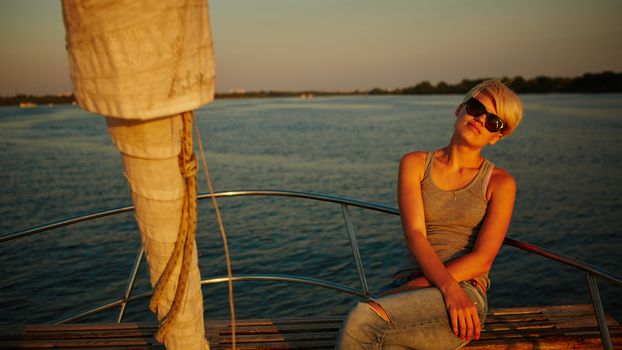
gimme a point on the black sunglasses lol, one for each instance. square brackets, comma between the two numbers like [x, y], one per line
[475, 108]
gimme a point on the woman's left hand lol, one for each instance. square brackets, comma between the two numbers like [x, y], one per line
[463, 315]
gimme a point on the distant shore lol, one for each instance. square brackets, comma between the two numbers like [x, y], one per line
[605, 82]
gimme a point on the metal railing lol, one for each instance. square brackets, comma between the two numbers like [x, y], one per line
[591, 272]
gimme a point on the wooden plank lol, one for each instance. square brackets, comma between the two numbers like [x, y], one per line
[291, 337]
[542, 324]
[525, 334]
[81, 326]
[278, 346]
[548, 309]
[71, 334]
[564, 311]
[549, 343]
[267, 329]
[293, 321]
[129, 335]
[79, 343]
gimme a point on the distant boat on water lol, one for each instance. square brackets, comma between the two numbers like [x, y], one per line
[27, 105]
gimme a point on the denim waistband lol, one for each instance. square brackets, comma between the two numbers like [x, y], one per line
[400, 281]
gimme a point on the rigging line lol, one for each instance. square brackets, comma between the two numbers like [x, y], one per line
[222, 230]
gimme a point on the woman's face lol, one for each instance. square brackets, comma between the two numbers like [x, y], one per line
[471, 128]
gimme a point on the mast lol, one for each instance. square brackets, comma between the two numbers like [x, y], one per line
[144, 66]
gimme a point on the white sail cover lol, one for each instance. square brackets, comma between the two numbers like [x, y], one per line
[139, 59]
[142, 64]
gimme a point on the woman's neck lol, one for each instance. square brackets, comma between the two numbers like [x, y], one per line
[458, 156]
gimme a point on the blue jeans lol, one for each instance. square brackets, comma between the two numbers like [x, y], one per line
[418, 320]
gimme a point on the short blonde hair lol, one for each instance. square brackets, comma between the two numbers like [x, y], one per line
[508, 105]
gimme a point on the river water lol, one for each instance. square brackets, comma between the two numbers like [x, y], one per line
[58, 161]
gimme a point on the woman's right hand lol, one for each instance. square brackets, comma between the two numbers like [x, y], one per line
[462, 311]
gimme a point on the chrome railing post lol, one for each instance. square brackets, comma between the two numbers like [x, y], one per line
[131, 282]
[355, 249]
[599, 311]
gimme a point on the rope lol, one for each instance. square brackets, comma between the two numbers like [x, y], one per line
[185, 236]
[187, 233]
[223, 235]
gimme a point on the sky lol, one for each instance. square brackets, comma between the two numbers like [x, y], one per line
[350, 44]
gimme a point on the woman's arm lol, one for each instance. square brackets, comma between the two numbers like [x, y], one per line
[502, 192]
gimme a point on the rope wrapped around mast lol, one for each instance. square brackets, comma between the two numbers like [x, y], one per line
[186, 234]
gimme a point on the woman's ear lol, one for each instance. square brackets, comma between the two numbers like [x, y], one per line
[496, 138]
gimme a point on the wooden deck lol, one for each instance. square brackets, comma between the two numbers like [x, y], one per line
[551, 327]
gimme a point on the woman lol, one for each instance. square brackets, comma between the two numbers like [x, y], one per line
[455, 209]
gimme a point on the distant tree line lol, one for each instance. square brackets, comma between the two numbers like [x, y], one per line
[587, 83]
[46, 99]
[276, 93]
[605, 82]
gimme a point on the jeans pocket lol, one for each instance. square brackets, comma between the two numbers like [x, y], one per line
[479, 298]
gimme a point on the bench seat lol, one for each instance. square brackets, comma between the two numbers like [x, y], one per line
[545, 327]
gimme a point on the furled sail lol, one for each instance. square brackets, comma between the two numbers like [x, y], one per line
[145, 65]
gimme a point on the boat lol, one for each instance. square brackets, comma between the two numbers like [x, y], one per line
[27, 104]
[175, 75]
[536, 327]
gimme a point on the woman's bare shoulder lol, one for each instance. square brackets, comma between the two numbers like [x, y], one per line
[414, 158]
[413, 165]
[502, 180]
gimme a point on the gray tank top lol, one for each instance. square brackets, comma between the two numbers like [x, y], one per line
[453, 218]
